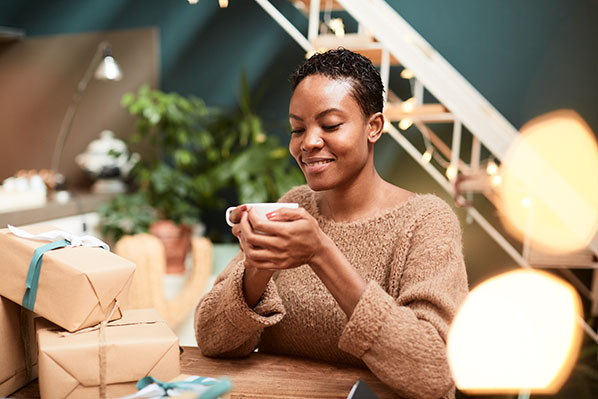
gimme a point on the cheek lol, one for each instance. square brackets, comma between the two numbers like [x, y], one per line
[295, 147]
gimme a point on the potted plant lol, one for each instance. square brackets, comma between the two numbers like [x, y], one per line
[197, 159]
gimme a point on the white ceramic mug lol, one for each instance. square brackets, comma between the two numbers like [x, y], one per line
[262, 209]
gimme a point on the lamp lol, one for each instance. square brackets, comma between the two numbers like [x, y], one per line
[516, 332]
[102, 67]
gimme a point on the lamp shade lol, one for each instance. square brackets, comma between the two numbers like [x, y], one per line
[515, 332]
[108, 69]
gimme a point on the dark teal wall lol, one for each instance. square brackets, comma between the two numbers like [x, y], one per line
[527, 57]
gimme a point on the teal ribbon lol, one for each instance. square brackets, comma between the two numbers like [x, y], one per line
[35, 267]
[217, 388]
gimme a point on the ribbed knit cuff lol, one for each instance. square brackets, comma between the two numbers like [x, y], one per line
[368, 317]
[268, 312]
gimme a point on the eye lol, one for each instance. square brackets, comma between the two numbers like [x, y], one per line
[297, 131]
[330, 128]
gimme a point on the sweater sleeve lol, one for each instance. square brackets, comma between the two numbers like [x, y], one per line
[403, 340]
[224, 325]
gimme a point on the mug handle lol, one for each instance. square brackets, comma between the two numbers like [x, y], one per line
[227, 215]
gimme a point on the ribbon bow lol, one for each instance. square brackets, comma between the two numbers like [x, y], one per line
[58, 239]
[201, 387]
[58, 235]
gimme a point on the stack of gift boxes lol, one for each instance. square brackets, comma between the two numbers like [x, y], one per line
[62, 320]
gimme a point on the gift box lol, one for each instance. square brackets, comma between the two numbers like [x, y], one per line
[73, 287]
[139, 344]
[18, 354]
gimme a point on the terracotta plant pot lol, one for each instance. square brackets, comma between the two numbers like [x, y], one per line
[176, 240]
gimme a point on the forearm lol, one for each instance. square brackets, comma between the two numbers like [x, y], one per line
[255, 282]
[338, 275]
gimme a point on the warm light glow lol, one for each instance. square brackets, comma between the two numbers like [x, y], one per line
[526, 202]
[496, 180]
[451, 172]
[427, 156]
[407, 74]
[491, 168]
[192, 1]
[223, 3]
[553, 163]
[517, 331]
[108, 70]
[405, 123]
[337, 26]
[408, 105]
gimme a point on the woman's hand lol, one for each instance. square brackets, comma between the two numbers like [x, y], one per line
[288, 239]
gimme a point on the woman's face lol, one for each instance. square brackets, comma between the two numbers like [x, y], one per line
[330, 137]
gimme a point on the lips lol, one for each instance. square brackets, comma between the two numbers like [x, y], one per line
[316, 165]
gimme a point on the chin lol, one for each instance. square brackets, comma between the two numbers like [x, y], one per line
[318, 185]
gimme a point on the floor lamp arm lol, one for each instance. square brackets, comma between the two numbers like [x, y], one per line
[67, 121]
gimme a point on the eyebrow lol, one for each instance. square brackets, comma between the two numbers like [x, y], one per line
[318, 116]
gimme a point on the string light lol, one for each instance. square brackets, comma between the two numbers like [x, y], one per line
[427, 156]
[491, 168]
[451, 172]
[496, 180]
[405, 123]
[192, 1]
[337, 26]
[223, 3]
[408, 105]
[407, 74]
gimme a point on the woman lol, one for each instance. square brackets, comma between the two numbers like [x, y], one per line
[363, 272]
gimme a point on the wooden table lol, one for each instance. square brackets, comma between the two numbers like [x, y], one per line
[263, 376]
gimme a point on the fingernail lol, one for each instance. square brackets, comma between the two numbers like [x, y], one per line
[243, 208]
[271, 214]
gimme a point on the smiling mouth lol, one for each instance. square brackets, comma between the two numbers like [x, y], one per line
[317, 163]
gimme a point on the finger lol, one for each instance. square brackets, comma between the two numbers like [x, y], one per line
[267, 227]
[286, 214]
[235, 215]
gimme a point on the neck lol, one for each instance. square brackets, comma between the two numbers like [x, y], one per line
[355, 200]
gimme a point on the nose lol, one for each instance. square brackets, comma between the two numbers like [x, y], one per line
[312, 140]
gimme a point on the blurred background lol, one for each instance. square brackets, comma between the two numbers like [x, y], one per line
[527, 58]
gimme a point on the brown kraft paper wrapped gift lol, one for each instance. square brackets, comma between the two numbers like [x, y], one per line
[13, 362]
[77, 285]
[137, 345]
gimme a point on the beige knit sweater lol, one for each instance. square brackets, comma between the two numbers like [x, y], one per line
[411, 256]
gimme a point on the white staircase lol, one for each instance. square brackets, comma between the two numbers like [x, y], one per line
[387, 39]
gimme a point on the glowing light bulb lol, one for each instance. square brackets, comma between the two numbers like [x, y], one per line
[192, 1]
[427, 156]
[558, 176]
[337, 26]
[496, 180]
[491, 168]
[407, 74]
[223, 3]
[408, 105]
[405, 123]
[451, 172]
[516, 331]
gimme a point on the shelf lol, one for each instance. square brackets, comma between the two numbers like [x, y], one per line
[8, 35]
[78, 203]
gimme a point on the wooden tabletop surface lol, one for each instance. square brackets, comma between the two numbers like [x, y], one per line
[262, 376]
[265, 376]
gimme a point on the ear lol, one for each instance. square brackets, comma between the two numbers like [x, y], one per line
[375, 126]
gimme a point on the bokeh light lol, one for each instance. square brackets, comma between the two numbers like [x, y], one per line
[549, 185]
[516, 332]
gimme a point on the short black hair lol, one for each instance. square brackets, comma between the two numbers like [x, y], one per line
[341, 63]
